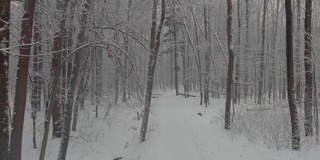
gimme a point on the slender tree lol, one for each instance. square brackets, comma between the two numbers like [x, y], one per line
[290, 78]
[230, 65]
[308, 70]
[262, 55]
[154, 48]
[4, 63]
[72, 92]
[246, 56]
[207, 55]
[237, 77]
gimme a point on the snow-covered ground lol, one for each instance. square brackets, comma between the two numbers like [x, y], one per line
[179, 129]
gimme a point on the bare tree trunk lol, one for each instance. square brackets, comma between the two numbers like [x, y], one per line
[290, 78]
[4, 68]
[262, 56]
[117, 68]
[298, 55]
[308, 70]
[36, 75]
[207, 56]
[55, 70]
[247, 53]
[72, 92]
[21, 82]
[199, 64]
[230, 65]
[154, 48]
[176, 67]
[237, 77]
[274, 50]
[56, 103]
[54, 107]
[81, 88]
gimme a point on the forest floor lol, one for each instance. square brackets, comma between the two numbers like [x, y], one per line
[179, 129]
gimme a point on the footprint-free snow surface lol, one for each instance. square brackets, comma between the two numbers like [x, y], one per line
[179, 129]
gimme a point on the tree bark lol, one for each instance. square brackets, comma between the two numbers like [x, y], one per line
[154, 48]
[298, 55]
[207, 56]
[230, 65]
[21, 82]
[247, 53]
[290, 78]
[176, 68]
[56, 104]
[262, 55]
[4, 68]
[308, 70]
[36, 75]
[237, 77]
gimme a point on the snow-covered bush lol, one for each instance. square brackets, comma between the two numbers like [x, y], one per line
[270, 125]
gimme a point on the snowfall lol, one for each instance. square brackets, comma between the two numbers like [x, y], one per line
[179, 129]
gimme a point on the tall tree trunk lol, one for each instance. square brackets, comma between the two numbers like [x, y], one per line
[117, 68]
[237, 78]
[21, 82]
[36, 75]
[207, 56]
[247, 53]
[308, 63]
[81, 88]
[53, 105]
[298, 55]
[72, 92]
[56, 108]
[199, 64]
[4, 68]
[124, 76]
[230, 65]
[176, 67]
[55, 71]
[290, 78]
[262, 55]
[154, 48]
[274, 52]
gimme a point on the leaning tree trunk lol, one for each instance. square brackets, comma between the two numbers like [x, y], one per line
[308, 70]
[53, 102]
[154, 48]
[230, 65]
[4, 64]
[290, 78]
[21, 82]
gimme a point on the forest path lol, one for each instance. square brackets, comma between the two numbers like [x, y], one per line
[175, 138]
[181, 129]
[176, 131]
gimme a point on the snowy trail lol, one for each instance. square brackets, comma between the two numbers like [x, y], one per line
[177, 132]
[174, 138]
